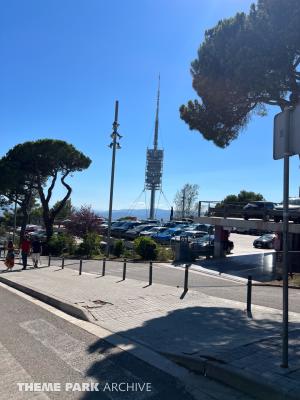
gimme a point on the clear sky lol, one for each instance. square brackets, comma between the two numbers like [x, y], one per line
[65, 62]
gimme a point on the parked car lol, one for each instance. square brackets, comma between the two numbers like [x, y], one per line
[205, 246]
[294, 211]
[121, 229]
[153, 231]
[193, 234]
[165, 237]
[151, 221]
[40, 234]
[135, 232]
[201, 227]
[265, 241]
[259, 209]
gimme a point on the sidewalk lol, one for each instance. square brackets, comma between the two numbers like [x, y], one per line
[205, 333]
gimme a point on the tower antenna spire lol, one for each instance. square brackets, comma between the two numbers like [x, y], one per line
[155, 142]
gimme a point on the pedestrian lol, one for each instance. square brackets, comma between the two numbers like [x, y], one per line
[36, 249]
[25, 250]
[10, 256]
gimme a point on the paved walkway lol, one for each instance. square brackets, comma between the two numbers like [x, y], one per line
[199, 327]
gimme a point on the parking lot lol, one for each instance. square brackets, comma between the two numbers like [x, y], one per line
[244, 260]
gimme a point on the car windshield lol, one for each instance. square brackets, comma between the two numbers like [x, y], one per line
[206, 238]
[268, 236]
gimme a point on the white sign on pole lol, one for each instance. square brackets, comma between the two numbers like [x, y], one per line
[280, 128]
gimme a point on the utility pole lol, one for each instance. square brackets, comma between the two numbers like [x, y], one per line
[285, 242]
[183, 202]
[114, 146]
[155, 145]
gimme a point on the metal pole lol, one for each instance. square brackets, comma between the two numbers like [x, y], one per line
[150, 272]
[80, 267]
[186, 278]
[152, 203]
[103, 266]
[124, 269]
[49, 260]
[112, 178]
[199, 209]
[249, 295]
[63, 263]
[285, 236]
[183, 203]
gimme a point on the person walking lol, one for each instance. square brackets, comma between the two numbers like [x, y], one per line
[25, 250]
[36, 249]
[10, 256]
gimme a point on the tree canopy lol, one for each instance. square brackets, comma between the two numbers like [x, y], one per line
[37, 166]
[242, 197]
[245, 63]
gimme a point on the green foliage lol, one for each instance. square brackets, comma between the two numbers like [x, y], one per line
[66, 211]
[118, 248]
[242, 197]
[3, 230]
[61, 243]
[245, 63]
[164, 254]
[34, 168]
[90, 245]
[146, 248]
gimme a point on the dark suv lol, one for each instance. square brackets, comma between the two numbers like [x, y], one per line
[259, 209]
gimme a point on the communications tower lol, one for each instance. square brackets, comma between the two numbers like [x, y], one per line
[154, 163]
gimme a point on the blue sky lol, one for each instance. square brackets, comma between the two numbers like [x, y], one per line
[65, 62]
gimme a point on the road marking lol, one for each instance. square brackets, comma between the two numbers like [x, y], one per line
[11, 373]
[77, 355]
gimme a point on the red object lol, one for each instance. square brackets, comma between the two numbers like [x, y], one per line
[25, 246]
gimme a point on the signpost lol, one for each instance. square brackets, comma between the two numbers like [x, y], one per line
[286, 144]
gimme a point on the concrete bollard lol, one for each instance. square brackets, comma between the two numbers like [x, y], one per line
[124, 269]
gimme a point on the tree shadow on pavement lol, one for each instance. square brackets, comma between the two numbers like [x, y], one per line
[208, 332]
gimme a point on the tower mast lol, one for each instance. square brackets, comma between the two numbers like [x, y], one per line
[155, 144]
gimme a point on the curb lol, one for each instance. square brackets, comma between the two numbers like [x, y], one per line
[234, 377]
[56, 302]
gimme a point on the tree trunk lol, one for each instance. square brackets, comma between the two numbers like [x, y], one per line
[24, 223]
[48, 226]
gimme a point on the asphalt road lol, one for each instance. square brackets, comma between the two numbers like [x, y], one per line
[40, 349]
[37, 346]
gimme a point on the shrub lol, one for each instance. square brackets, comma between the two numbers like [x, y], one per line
[146, 248]
[90, 245]
[61, 243]
[164, 254]
[118, 248]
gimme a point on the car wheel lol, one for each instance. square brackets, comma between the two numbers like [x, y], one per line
[246, 217]
[277, 219]
[266, 217]
[270, 246]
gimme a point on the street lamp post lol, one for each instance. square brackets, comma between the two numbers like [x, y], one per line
[114, 146]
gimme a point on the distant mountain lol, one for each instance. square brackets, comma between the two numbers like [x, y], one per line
[139, 213]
